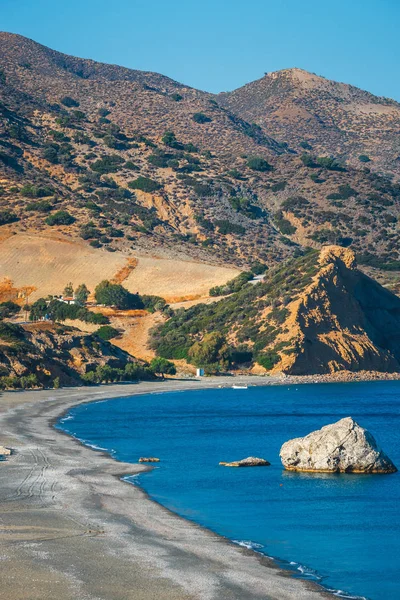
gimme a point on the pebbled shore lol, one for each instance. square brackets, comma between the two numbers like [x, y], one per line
[70, 529]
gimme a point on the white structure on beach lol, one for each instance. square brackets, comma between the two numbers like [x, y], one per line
[199, 372]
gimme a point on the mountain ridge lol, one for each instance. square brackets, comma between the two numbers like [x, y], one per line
[215, 184]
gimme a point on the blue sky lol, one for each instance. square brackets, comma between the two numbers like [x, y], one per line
[218, 45]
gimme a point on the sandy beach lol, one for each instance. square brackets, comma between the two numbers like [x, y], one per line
[71, 529]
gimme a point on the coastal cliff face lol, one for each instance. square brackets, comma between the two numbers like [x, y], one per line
[343, 321]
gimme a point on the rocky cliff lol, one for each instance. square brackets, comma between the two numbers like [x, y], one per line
[343, 321]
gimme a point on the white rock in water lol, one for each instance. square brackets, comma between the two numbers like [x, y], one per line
[343, 447]
[4, 451]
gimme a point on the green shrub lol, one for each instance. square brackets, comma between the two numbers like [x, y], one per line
[308, 160]
[61, 217]
[226, 227]
[330, 163]
[8, 309]
[201, 118]
[108, 164]
[169, 139]
[268, 359]
[42, 206]
[284, 226]
[145, 184]
[364, 158]
[177, 97]
[6, 217]
[106, 332]
[9, 332]
[33, 191]
[69, 102]
[258, 164]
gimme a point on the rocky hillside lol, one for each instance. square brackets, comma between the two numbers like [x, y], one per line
[315, 314]
[313, 113]
[38, 354]
[128, 160]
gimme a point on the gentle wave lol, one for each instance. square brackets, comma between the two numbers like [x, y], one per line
[306, 572]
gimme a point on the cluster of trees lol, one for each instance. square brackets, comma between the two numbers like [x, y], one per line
[131, 372]
[30, 190]
[23, 382]
[60, 311]
[234, 285]
[187, 334]
[106, 293]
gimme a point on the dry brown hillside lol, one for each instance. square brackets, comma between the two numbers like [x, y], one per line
[131, 162]
[313, 113]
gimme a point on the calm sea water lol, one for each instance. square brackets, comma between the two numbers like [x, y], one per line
[341, 530]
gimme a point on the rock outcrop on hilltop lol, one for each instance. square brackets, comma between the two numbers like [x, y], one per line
[343, 447]
[320, 115]
[342, 321]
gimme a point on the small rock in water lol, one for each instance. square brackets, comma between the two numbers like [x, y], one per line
[150, 459]
[343, 447]
[251, 461]
[4, 451]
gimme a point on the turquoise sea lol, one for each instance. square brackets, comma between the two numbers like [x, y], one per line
[340, 530]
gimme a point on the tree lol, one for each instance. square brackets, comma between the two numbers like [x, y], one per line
[106, 332]
[68, 290]
[201, 118]
[8, 309]
[211, 353]
[162, 366]
[258, 164]
[38, 309]
[144, 184]
[169, 139]
[81, 294]
[69, 102]
[114, 294]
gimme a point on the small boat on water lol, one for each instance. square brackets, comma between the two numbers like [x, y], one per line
[240, 387]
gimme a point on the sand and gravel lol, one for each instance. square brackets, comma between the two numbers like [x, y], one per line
[71, 529]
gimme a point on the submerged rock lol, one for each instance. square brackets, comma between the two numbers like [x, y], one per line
[150, 459]
[251, 461]
[343, 447]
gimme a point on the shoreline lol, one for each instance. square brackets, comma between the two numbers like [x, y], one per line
[64, 504]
